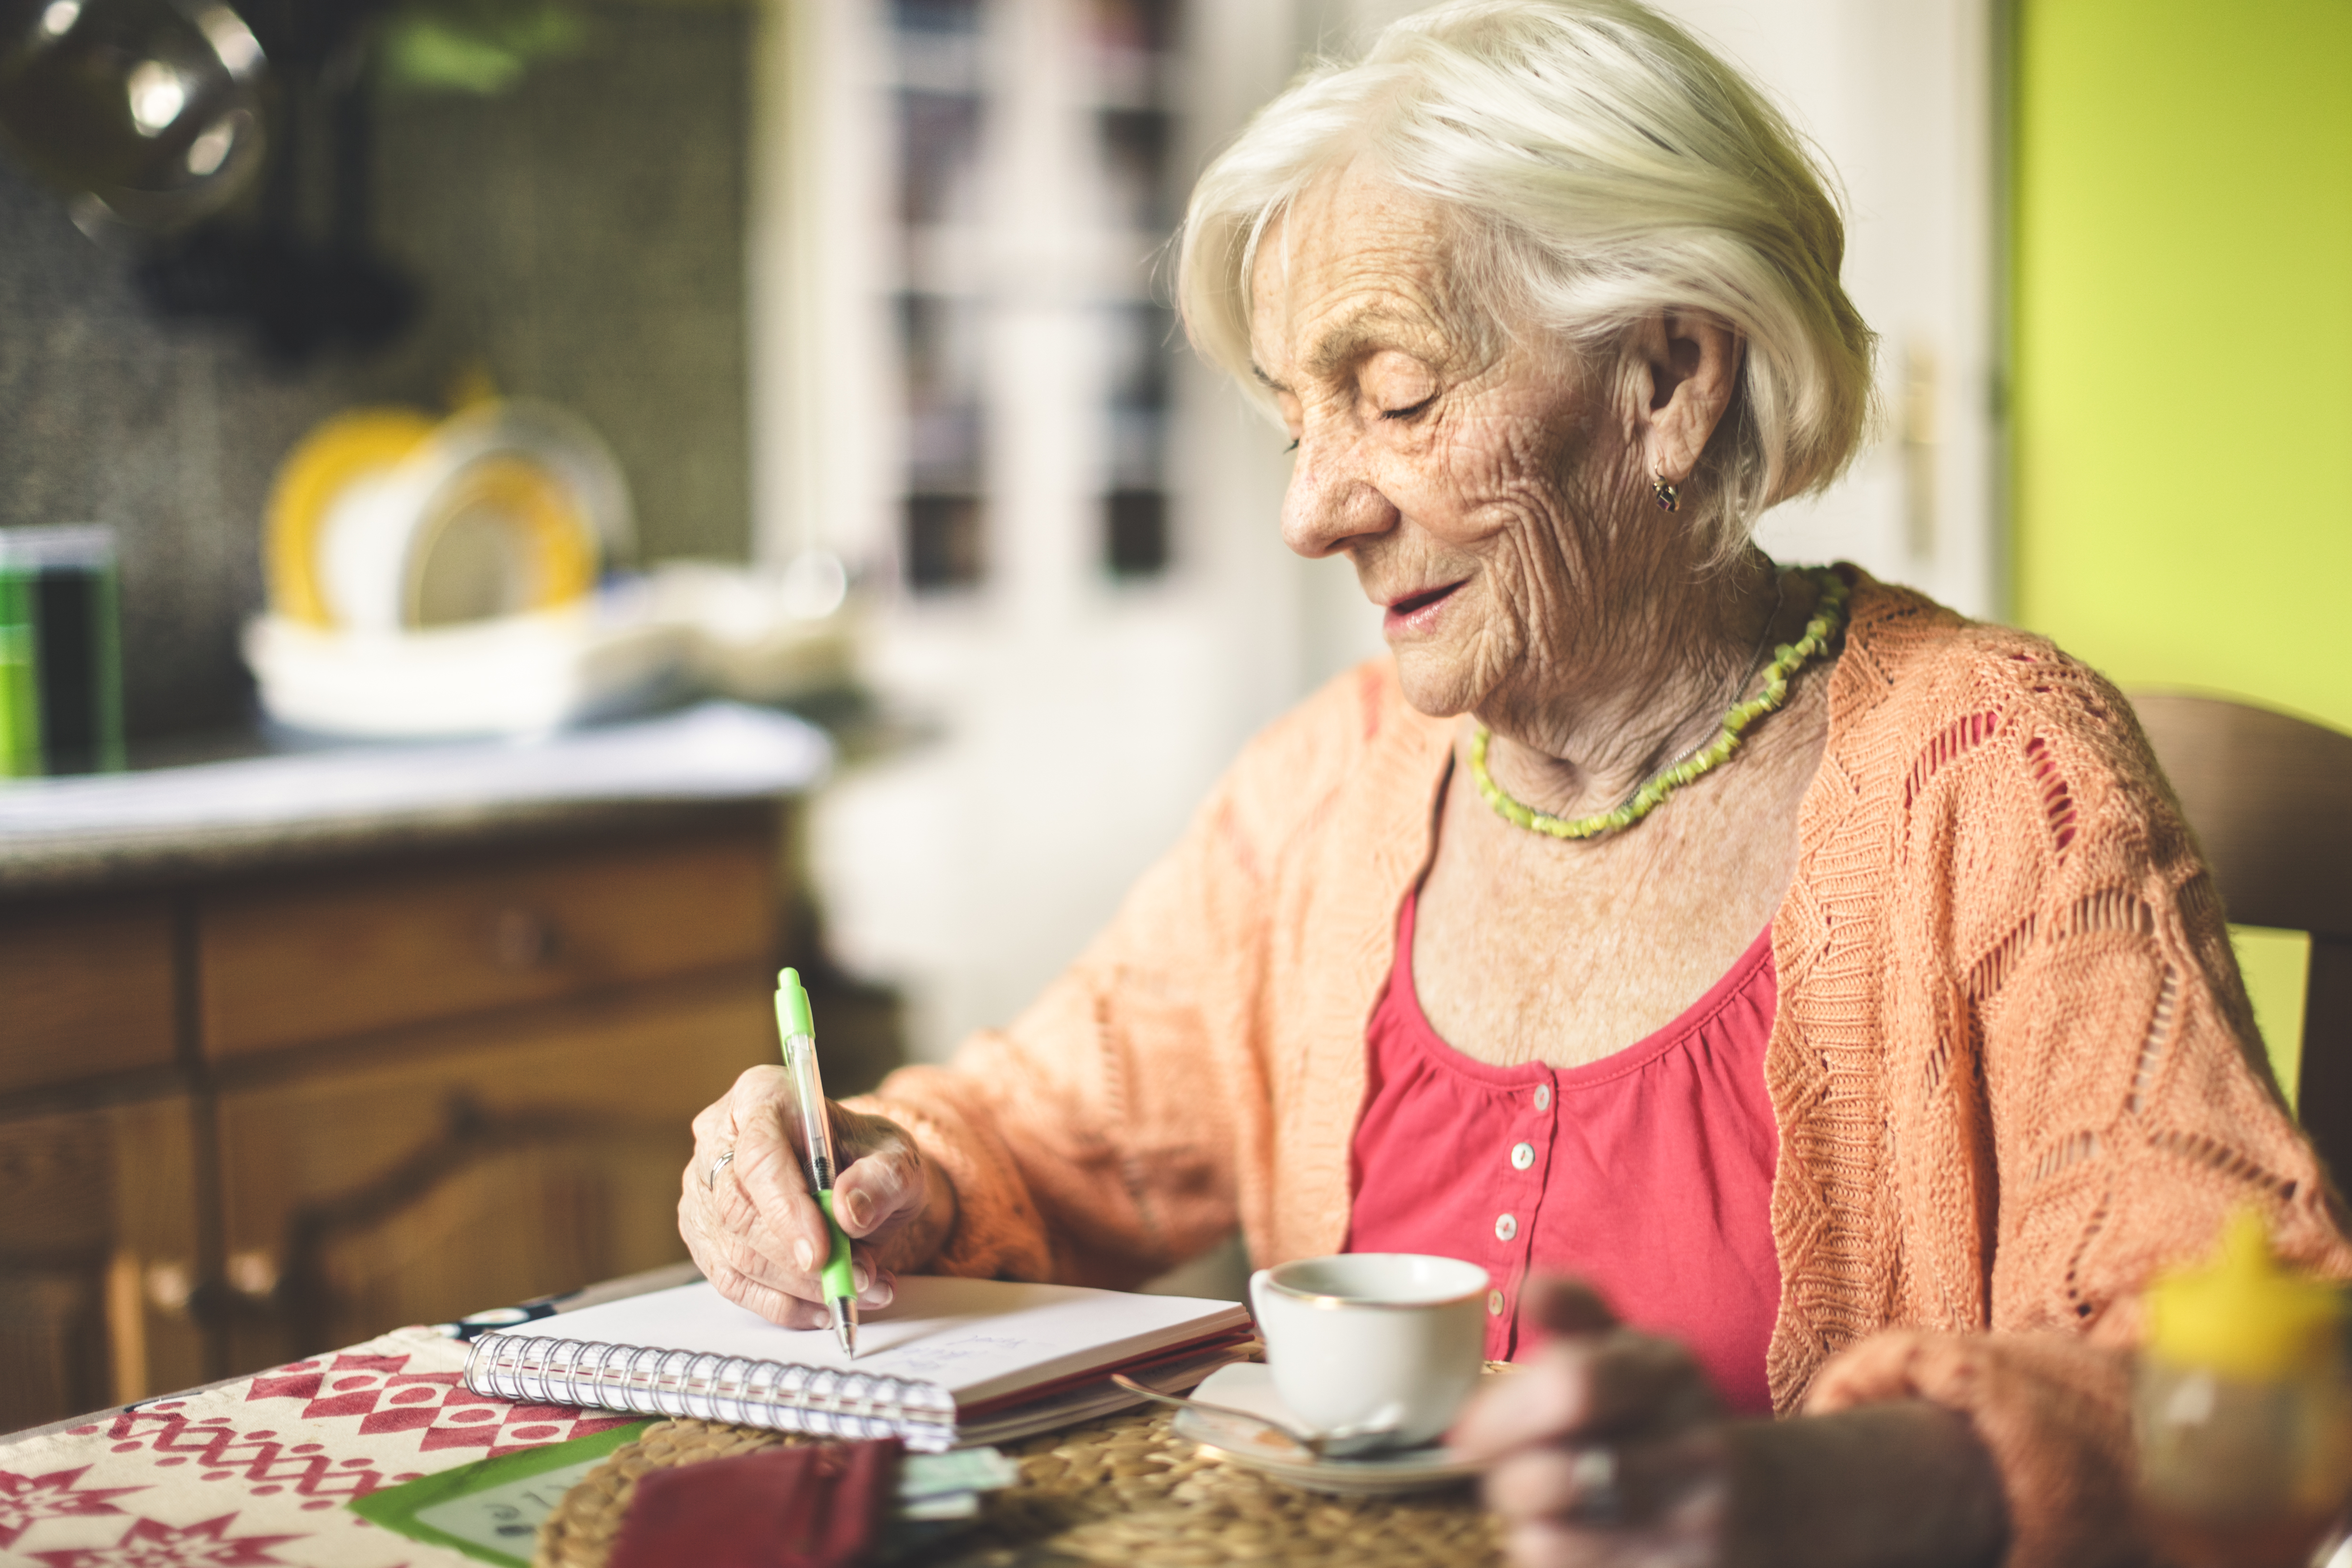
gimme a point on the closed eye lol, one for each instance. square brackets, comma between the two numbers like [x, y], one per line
[1416, 410]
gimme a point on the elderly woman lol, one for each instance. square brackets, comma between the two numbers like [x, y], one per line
[1827, 981]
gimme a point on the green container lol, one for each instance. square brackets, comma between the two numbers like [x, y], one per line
[60, 652]
[20, 713]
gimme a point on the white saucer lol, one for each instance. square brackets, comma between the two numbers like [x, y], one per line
[1248, 1386]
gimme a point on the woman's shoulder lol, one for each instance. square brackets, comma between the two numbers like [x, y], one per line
[1912, 663]
[1356, 731]
[1922, 689]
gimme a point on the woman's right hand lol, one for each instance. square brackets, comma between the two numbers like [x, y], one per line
[757, 1234]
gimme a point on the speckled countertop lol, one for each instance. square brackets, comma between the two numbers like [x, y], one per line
[172, 824]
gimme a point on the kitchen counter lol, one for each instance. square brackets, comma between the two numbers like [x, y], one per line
[166, 826]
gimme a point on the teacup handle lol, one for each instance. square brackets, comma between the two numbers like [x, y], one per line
[1257, 1285]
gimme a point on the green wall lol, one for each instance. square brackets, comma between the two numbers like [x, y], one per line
[2184, 342]
[2183, 355]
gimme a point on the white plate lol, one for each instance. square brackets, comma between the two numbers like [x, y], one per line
[1249, 1386]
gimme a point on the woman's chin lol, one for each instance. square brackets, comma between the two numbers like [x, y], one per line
[1434, 684]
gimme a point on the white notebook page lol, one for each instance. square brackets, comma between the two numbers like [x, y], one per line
[978, 1339]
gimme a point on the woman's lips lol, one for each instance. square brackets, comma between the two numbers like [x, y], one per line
[1418, 611]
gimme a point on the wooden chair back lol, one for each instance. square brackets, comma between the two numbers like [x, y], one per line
[2270, 798]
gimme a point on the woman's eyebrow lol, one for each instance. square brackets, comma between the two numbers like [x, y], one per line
[1362, 330]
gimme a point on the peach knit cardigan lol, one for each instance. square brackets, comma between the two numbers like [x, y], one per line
[2012, 1065]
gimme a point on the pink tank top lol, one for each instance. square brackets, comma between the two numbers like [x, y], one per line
[1648, 1172]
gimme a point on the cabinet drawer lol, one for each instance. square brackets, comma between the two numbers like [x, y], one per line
[84, 991]
[293, 963]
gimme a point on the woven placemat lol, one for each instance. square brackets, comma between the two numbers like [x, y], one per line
[1125, 1492]
[579, 1533]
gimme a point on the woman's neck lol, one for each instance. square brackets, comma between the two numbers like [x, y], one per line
[1585, 725]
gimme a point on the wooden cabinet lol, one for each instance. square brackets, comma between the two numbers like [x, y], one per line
[329, 957]
[98, 1257]
[482, 1163]
[86, 988]
[245, 1118]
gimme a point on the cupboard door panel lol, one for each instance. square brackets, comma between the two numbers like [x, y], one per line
[97, 1258]
[84, 991]
[481, 1165]
[292, 964]
[53, 1358]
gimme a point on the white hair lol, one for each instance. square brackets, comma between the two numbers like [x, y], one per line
[1599, 166]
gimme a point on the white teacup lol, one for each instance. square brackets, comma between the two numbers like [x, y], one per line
[1373, 1339]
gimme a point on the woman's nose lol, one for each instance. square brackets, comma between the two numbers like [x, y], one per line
[1330, 502]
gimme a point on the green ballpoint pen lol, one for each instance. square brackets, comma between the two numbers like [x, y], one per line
[793, 1021]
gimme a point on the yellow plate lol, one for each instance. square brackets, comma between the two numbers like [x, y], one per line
[322, 464]
[530, 500]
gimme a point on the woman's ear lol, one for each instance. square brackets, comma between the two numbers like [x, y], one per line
[1692, 363]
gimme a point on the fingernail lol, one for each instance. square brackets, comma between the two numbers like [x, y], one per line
[859, 1277]
[805, 1255]
[880, 1294]
[854, 1208]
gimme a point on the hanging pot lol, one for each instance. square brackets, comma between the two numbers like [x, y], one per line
[148, 110]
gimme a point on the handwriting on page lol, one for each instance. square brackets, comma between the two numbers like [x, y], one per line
[937, 1360]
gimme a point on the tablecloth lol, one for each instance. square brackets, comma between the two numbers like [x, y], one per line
[257, 1470]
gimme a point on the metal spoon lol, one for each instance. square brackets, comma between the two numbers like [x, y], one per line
[1340, 1442]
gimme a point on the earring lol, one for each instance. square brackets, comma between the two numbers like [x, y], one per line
[1668, 501]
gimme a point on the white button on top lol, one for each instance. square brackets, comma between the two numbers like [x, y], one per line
[1506, 1227]
[1543, 1096]
[1522, 1156]
[1494, 1303]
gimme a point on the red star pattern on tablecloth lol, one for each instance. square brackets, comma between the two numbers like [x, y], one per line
[350, 1395]
[151, 1543]
[436, 1406]
[259, 1470]
[26, 1498]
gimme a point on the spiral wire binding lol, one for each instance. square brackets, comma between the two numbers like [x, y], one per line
[734, 1389]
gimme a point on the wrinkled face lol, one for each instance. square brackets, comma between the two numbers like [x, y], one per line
[1471, 490]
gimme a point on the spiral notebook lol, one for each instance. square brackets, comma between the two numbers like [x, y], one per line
[949, 1362]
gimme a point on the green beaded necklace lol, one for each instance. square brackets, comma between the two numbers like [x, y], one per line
[1787, 660]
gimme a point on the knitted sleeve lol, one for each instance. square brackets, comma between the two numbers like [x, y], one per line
[2128, 1105]
[1097, 1140]
[2131, 1104]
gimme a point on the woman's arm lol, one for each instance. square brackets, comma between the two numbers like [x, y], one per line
[2102, 1105]
[2128, 1096]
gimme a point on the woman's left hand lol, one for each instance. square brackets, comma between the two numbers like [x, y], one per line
[1607, 1450]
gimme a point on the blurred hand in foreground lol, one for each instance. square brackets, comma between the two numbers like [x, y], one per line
[1610, 1449]
[1607, 1448]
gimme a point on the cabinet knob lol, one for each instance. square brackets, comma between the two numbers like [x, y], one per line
[170, 1285]
[522, 939]
[253, 1273]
